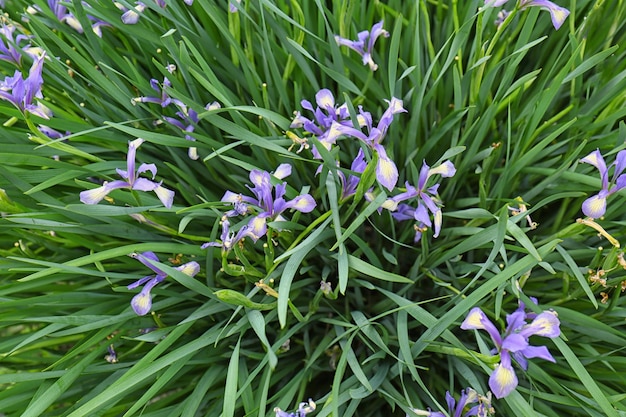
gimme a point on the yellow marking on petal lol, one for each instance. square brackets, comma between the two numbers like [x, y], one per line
[387, 170]
[559, 16]
[93, 196]
[390, 205]
[326, 101]
[547, 326]
[505, 376]
[142, 302]
[474, 319]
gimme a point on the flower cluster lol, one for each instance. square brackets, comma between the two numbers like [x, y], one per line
[61, 12]
[268, 203]
[595, 206]
[428, 201]
[471, 402]
[10, 49]
[186, 119]
[514, 343]
[332, 122]
[364, 45]
[131, 180]
[557, 14]
[142, 302]
[22, 92]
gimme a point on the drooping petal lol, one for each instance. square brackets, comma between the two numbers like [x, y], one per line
[386, 170]
[446, 170]
[303, 203]
[503, 379]
[546, 324]
[166, 196]
[142, 302]
[95, 195]
[437, 220]
[557, 14]
[283, 171]
[594, 206]
[190, 268]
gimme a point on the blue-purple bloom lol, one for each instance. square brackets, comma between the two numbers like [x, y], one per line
[595, 206]
[52, 133]
[428, 200]
[10, 46]
[303, 410]
[364, 45]
[557, 14]
[326, 113]
[386, 170]
[131, 180]
[22, 92]
[514, 343]
[470, 404]
[164, 100]
[268, 202]
[187, 123]
[350, 183]
[61, 12]
[142, 302]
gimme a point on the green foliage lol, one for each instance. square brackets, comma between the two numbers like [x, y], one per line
[514, 108]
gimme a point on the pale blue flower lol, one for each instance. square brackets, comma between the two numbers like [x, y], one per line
[364, 45]
[131, 180]
[558, 14]
[514, 343]
[22, 92]
[386, 169]
[595, 206]
[142, 302]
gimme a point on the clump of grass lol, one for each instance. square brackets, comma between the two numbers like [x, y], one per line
[341, 211]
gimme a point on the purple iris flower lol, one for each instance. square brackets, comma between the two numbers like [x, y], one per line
[164, 100]
[557, 14]
[325, 114]
[142, 302]
[364, 45]
[475, 404]
[131, 180]
[187, 122]
[595, 206]
[52, 133]
[350, 183]
[386, 170]
[514, 343]
[9, 46]
[428, 201]
[268, 202]
[303, 410]
[61, 12]
[21, 92]
[131, 16]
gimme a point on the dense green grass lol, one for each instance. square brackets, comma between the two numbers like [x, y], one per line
[514, 109]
